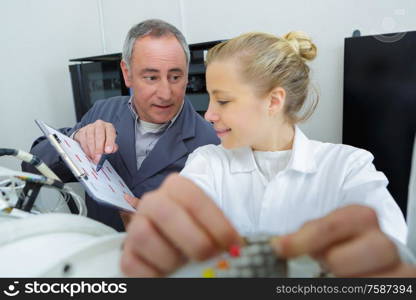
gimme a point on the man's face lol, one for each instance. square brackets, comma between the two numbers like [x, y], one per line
[158, 76]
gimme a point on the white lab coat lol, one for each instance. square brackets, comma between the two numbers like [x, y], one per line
[319, 178]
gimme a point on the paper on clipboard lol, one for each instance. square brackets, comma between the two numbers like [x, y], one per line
[104, 186]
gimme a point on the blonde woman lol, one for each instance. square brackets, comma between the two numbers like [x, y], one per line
[266, 176]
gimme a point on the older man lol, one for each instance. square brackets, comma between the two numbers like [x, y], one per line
[150, 134]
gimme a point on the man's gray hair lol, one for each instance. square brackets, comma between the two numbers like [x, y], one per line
[156, 28]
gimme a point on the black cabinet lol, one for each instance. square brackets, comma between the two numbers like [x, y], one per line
[380, 104]
[95, 78]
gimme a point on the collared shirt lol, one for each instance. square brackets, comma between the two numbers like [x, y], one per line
[319, 178]
[147, 134]
[270, 163]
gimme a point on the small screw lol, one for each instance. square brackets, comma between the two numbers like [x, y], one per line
[67, 268]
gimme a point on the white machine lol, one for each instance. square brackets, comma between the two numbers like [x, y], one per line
[38, 239]
[58, 245]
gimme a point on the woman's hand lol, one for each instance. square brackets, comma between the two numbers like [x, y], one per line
[174, 223]
[348, 243]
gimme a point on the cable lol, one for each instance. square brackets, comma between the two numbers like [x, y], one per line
[31, 159]
[27, 193]
[77, 198]
[26, 199]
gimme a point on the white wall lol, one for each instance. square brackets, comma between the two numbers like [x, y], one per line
[38, 37]
[119, 16]
[36, 40]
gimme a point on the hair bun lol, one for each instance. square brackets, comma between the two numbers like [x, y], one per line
[302, 44]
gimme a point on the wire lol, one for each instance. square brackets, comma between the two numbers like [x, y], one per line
[9, 190]
[31, 159]
[13, 186]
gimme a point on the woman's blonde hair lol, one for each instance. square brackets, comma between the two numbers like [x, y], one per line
[268, 61]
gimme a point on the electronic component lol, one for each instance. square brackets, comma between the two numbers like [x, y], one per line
[256, 258]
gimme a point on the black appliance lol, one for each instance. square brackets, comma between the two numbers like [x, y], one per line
[380, 104]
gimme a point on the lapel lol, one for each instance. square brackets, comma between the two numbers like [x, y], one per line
[303, 154]
[170, 147]
[126, 139]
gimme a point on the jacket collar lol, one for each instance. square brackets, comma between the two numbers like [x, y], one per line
[302, 158]
[126, 138]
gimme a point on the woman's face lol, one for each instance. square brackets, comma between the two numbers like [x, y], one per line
[240, 117]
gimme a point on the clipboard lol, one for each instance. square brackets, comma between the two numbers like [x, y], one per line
[104, 186]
